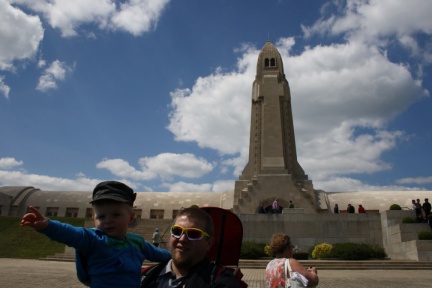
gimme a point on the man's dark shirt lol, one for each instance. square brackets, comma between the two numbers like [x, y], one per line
[200, 276]
[427, 207]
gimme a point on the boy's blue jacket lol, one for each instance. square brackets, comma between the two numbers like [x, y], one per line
[102, 261]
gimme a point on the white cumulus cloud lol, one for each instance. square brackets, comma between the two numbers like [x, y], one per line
[43, 182]
[20, 35]
[132, 16]
[4, 88]
[138, 16]
[55, 72]
[164, 166]
[9, 162]
[415, 180]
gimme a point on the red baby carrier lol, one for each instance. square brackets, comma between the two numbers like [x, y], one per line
[228, 235]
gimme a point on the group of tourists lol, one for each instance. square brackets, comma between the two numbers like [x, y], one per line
[422, 211]
[275, 208]
[350, 209]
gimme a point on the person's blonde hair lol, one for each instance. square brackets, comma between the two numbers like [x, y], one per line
[279, 242]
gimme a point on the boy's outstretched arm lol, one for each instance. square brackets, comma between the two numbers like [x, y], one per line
[35, 220]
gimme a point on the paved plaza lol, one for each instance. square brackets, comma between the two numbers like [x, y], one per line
[21, 273]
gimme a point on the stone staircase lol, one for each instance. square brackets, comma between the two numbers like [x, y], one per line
[146, 228]
[346, 265]
[319, 264]
[401, 239]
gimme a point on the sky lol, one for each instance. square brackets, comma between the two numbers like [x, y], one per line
[157, 93]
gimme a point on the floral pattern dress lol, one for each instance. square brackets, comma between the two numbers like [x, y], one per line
[275, 275]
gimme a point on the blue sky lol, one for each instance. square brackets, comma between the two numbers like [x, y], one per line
[157, 93]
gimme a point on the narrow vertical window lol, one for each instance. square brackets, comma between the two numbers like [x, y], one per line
[138, 213]
[51, 211]
[89, 213]
[72, 212]
[156, 214]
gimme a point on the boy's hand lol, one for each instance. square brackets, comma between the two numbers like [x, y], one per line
[35, 220]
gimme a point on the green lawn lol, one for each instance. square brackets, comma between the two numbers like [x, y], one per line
[24, 242]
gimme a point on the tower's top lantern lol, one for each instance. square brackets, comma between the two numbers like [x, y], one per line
[269, 62]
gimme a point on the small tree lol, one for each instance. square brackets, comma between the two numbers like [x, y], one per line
[395, 207]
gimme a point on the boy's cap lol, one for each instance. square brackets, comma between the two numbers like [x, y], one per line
[113, 190]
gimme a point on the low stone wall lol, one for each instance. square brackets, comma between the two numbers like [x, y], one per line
[307, 230]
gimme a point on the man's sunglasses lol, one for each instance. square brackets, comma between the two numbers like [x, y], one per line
[192, 234]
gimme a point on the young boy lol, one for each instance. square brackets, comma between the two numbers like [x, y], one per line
[108, 255]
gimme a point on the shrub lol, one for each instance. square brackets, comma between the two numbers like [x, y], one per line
[408, 219]
[377, 252]
[357, 251]
[252, 250]
[395, 207]
[322, 250]
[425, 235]
[268, 251]
[349, 251]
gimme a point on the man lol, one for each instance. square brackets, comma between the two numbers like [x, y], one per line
[350, 209]
[261, 209]
[427, 208]
[336, 209]
[416, 208]
[275, 206]
[191, 238]
[156, 237]
[291, 204]
[361, 209]
[420, 213]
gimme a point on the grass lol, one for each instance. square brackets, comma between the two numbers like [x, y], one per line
[24, 242]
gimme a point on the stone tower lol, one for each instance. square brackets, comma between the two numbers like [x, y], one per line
[272, 171]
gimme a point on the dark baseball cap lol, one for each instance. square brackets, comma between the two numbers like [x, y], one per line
[113, 190]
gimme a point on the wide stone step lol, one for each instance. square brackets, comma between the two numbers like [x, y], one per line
[319, 264]
[346, 265]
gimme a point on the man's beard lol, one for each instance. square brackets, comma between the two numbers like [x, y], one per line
[182, 261]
